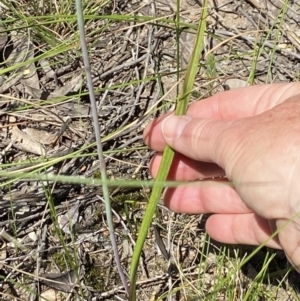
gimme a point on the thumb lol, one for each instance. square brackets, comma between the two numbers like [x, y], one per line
[208, 140]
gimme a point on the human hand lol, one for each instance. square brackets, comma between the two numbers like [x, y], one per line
[251, 135]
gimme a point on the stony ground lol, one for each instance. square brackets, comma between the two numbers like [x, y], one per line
[46, 128]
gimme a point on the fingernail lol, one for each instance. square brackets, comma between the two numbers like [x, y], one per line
[173, 126]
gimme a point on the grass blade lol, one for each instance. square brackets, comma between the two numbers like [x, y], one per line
[168, 152]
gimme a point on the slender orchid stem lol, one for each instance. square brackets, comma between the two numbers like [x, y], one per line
[87, 67]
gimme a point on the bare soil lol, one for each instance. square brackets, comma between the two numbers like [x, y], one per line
[38, 254]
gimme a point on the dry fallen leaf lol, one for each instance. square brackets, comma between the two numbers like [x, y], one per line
[23, 50]
[40, 136]
[60, 281]
[48, 69]
[69, 219]
[72, 85]
[3, 254]
[24, 142]
[49, 295]
[3, 37]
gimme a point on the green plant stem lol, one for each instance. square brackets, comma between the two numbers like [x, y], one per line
[168, 154]
[102, 167]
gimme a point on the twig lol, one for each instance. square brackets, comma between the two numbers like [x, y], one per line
[141, 88]
[291, 36]
[149, 282]
[251, 40]
[102, 168]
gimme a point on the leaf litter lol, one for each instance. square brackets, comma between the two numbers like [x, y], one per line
[45, 117]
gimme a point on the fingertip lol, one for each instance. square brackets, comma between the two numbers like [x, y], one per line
[154, 164]
[173, 126]
[246, 229]
[147, 132]
[289, 237]
[152, 134]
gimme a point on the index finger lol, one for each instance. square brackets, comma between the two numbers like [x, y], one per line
[243, 102]
[233, 104]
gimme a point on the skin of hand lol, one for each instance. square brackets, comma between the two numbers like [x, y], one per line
[252, 136]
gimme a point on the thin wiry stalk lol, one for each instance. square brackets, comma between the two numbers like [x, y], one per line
[102, 167]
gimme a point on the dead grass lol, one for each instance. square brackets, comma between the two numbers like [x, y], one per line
[46, 129]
